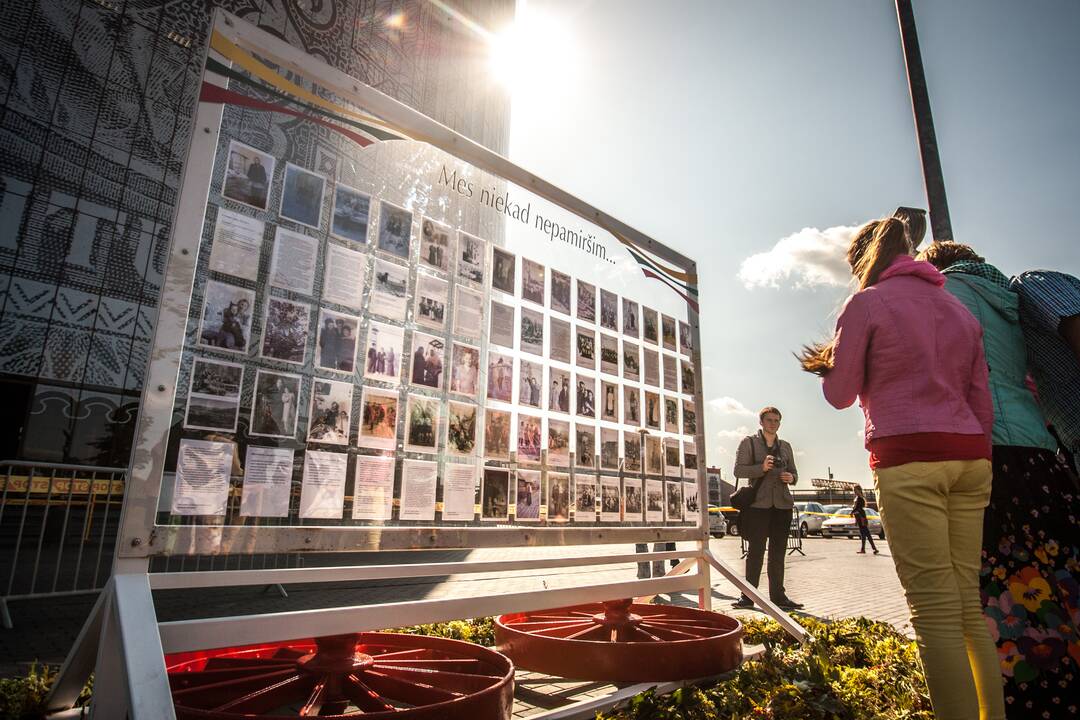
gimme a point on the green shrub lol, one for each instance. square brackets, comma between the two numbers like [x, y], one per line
[478, 630]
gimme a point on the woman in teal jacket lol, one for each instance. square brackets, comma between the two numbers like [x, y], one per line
[1030, 578]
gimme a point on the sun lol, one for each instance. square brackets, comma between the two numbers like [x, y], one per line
[537, 49]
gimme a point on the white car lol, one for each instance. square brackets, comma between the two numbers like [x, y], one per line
[843, 524]
[811, 517]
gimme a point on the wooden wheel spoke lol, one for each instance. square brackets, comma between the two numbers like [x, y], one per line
[289, 690]
[672, 634]
[234, 685]
[417, 654]
[453, 681]
[576, 616]
[410, 691]
[209, 677]
[705, 630]
[465, 665]
[564, 630]
[540, 625]
[254, 663]
[316, 699]
[642, 631]
[364, 697]
[582, 633]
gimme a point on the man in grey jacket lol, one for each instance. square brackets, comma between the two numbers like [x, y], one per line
[769, 463]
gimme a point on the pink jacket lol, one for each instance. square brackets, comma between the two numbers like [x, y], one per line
[913, 355]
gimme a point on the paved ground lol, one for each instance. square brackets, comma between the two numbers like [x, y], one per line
[830, 579]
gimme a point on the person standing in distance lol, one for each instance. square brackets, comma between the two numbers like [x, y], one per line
[768, 462]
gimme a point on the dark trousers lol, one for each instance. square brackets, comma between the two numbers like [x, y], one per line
[758, 526]
[864, 535]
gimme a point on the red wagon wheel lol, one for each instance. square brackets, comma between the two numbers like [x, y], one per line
[620, 641]
[366, 675]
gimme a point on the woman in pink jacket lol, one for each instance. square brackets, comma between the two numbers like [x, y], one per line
[912, 355]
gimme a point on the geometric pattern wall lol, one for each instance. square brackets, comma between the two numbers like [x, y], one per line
[98, 99]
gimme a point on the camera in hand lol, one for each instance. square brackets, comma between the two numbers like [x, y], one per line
[779, 463]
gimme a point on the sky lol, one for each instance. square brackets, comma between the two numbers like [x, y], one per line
[754, 136]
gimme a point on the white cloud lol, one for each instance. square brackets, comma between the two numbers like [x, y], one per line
[730, 406]
[808, 258]
[739, 433]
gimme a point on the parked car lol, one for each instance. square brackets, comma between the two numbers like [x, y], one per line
[831, 510]
[842, 524]
[717, 522]
[731, 515]
[811, 516]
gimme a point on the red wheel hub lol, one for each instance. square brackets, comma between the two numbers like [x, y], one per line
[368, 675]
[620, 641]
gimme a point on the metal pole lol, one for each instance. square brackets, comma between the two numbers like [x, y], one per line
[940, 224]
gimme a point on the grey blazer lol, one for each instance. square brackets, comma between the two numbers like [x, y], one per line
[772, 491]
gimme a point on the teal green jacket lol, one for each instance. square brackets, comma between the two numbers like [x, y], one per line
[985, 291]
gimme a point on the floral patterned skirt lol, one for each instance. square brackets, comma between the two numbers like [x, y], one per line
[1030, 582]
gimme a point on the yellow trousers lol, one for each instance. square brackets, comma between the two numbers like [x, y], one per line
[933, 516]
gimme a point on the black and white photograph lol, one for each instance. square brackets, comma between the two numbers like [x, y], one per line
[469, 313]
[331, 412]
[610, 500]
[651, 365]
[532, 281]
[461, 429]
[558, 504]
[609, 401]
[559, 348]
[672, 466]
[470, 254]
[495, 494]
[531, 385]
[584, 445]
[248, 173]
[501, 331]
[631, 451]
[382, 358]
[654, 501]
[336, 347]
[500, 377]
[585, 348]
[631, 406]
[585, 498]
[671, 415]
[629, 317]
[529, 438]
[671, 372]
[690, 500]
[673, 490]
[558, 444]
[650, 326]
[609, 355]
[465, 370]
[428, 359]
[395, 230]
[302, 196]
[496, 434]
[586, 302]
[688, 384]
[686, 340]
[435, 250]
[558, 390]
[343, 278]
[689, 455]
[560, 292]
[689, 418]
[503, 265]
[390, 290]
[378, 418]
[667, 332]
[274, 411]
[652, 410]
[528, 496]
[214, 395]
[532, 331]
[585, 398]
[421, 423]
[349, 220]
[609, 449]
[292, 265]
[631, 366]
[609, 310]
[226, 319]
[285, 331]
[633, 504]
[654, 455]
[431, 296]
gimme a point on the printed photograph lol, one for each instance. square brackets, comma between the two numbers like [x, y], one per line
[528, 438]
[689, 418]
[465, 373]
[302, 196]
[609, 405]
[528, 495]
[671, 373]
[690, 500]
[500, 377]
[610, 502]
[585, 502]
[559, 395]
[689, 455]
[495, 494]
[212, 413]
[274, 411]
[496, 434]
[532, 281]
[631, 451]
[285, 331]
[421, 423]
[586, 396]
[671, 456]
[461, 429]
[352, 209]
[431, 296]
[609, 449]
[395, 230]
[632, 501]
[214, 395]
[586, 303]
[502, 325]
[558, 443]
[331, 408]
[390, 292]
[560, 292]
[226, 320]
[471, 254]
[532, 331]
[631, 406]
[629, 318]
[336, 348]
[688, 384]
[586, 348]
[654, 455]
[378, 418]
[674, 500]
[560, 340]
[384, 347]
[671, 415]
[503, 265]
[631, 367]
[654, 500]
[652, 410]
[667, 332]
[558, 497]
[686, 340]
[428, 357]
[651, 364]
[435, 245]
[584, 445]
[247, 175]
[650, 326]
[609, 355]
[531, 388]
[609, 310]
[469, 313]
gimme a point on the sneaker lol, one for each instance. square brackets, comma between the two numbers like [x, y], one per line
[861, 552]
[877, 552]
[743, 602]
[787, 604]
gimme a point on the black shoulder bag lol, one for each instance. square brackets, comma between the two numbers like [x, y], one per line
[744, 497]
